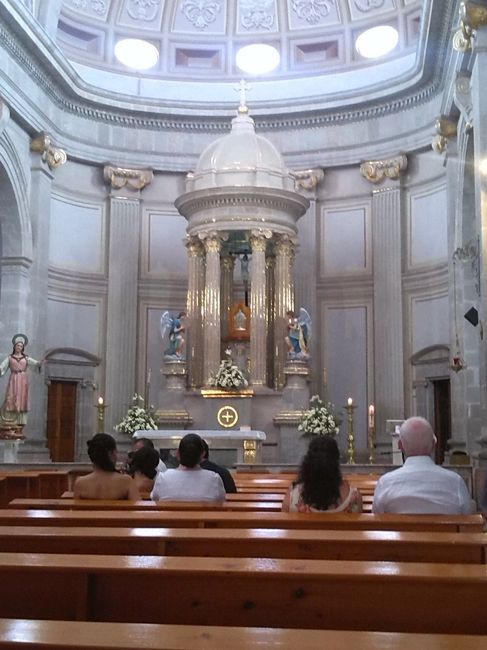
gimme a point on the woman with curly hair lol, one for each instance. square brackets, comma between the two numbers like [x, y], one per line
[320, 487]
[143, 468]
[104, 482]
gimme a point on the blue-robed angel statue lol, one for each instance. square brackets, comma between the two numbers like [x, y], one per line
[175, 326]
[298, 334]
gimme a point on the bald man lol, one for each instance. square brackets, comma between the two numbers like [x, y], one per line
[420, 486]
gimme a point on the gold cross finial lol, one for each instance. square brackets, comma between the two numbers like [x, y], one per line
[241, 89]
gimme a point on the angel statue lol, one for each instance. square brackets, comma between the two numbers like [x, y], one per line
[298, 334]
[175, 325]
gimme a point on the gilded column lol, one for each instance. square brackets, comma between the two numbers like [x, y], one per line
[270, 264]
[211, 307]
[227, 268]
[196, 274]
[258, 310]
[283, 302]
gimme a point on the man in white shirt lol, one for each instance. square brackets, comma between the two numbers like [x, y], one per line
[189, 482]
[420, 486]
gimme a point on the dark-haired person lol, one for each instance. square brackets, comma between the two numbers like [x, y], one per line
[189, 482]
[139, 443]
[320, 487]
[104, 482]
[226, 477]
[143, 468]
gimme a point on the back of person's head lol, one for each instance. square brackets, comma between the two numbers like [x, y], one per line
[100, 451]
[416, 437]
[145, 461]
[190, 450]
[139, 443]
[320, 476]
[206, 449]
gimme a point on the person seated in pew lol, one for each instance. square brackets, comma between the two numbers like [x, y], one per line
[420, 486]
[189, 482]
[143, 468]
[320, 486]
[226, 477]
[140, 443]
[104, 482]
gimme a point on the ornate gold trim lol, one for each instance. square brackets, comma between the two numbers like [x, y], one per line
[134, 179]
[53, 156]
[219, 392]
[445, 130]
[376, 171]
[472, 16]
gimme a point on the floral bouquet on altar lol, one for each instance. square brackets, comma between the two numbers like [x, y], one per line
[229, 376]
[319, 419]
[138, 417]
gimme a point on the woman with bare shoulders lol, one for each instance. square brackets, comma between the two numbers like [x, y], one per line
[104, 482]
[143, 468]
[320, 486]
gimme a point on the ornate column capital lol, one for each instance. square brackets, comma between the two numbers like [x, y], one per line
[133, 179]
[228, 262]
[446, 128]
[212, 241]
[53, 156]
[472, 16]
[308, 179]
[194, 247]
[258, 239]
[376, 171]
[284, 245]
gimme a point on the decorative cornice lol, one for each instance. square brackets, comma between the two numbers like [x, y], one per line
[376, 171]
[53, 156]
[446, 129]
[134, 179]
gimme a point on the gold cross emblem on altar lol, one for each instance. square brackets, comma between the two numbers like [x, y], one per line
[227, 417]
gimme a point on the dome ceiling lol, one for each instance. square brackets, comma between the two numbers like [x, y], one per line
[198, 39]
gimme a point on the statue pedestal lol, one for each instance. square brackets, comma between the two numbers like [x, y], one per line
[295, 399]
[9, 450]
[172, 412]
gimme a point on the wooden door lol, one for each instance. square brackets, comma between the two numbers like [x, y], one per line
[61, 420]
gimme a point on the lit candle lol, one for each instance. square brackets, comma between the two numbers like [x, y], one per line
[100, 401]
[371, 416]
[350, 401]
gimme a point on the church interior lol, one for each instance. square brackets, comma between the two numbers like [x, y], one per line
[218, 239]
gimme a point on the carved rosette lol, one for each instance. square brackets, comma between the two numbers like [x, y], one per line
[51, 155]
[376, 171]
[133, 179]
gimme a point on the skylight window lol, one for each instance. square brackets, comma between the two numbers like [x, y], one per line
[258, 58]
[136, 54]
[377, 41]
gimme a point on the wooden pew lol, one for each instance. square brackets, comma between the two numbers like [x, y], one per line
[101, 504]
[308, 594]
[82, 635]
[237, 496]
[219, 519]
[391, 546]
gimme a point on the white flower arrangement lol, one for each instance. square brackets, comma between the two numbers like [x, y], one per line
[137, 418]
[228, 376]
[318, 419]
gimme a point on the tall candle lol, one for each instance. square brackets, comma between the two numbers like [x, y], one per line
[371, 416]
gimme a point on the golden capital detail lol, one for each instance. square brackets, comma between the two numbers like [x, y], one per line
[376, 171]
[445, 130]
[194, 247]
[258, 239]
[53, 156]
[308, 179]
[473, 15]
[134, 179]
[284, 246]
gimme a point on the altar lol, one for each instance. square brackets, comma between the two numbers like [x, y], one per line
[247, 443]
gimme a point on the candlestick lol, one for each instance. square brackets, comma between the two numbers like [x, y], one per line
[371, 434]
[351, 437]
[100, 407]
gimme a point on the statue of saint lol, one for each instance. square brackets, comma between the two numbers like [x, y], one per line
[175, 325]
[13, 412]
[298, 334]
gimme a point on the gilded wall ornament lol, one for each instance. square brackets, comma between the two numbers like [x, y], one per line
[201, 13]
[376, 171]
[312, 11]
[445, 129]
[308, 179]
[53, 156]
[472, 16]
[143, 9]
[134, 179]
[257, 14]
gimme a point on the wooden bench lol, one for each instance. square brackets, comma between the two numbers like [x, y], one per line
[219, 519]
[102, 504]
[82, 635]
[236, 496]
[308, 594]
[392, 546]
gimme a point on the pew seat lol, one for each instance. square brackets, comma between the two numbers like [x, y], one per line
[81, 635]
[255, 592]
[102, 504]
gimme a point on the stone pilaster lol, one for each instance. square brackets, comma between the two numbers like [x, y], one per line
[258, 310]
[194, 333]
[227, 268]
[123, 269]
[269, 279]
[211, 307]
[388, 332]
[283, 302]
